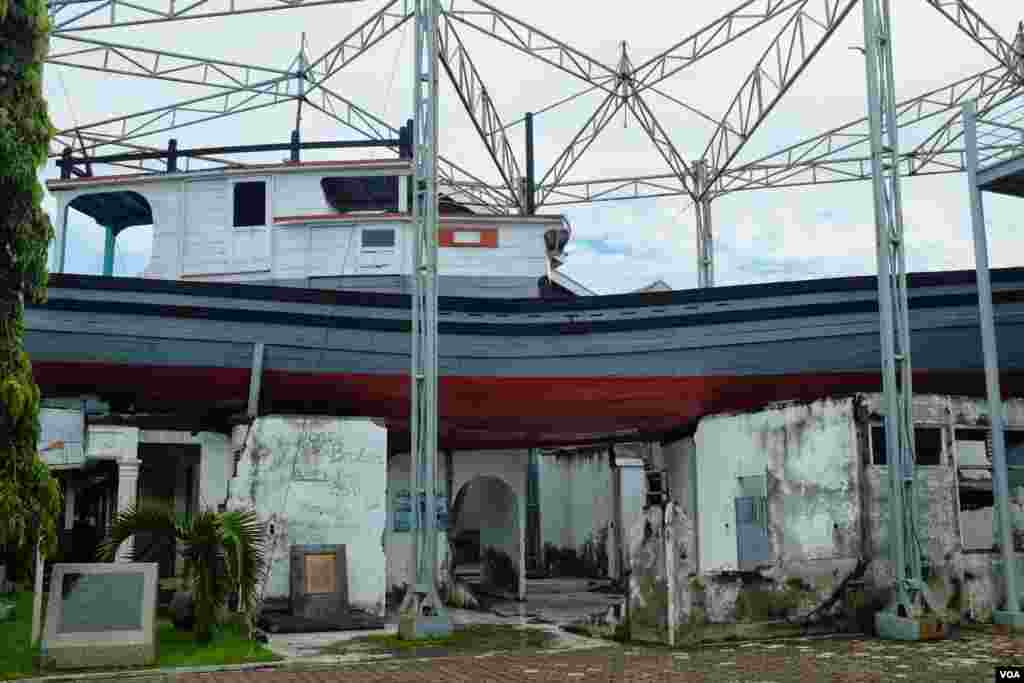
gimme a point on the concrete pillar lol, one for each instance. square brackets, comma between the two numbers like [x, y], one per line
[120, 444]
[521, 511]
[127, 490]
[670, 568]
[69, 507]
[615, 553]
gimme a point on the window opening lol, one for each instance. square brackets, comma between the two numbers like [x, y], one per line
[927, 446]
[250, 199]
[378, 238]
[362, 193]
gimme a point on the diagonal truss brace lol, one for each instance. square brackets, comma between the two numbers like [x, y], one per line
[471, 90]
[964, 17]
[90, 15]
[520, 35]
[799, 41]
[127, 60]
[451, 177]
[379, 26]
[181, 114]
[729, 27]
[852, 138]
[597, 122]
[649, 122]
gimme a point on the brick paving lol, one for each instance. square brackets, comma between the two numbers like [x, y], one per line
[971, 658]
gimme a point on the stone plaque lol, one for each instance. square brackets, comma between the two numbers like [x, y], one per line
[319, 581]
[121, 597]
[320, 573]
[101, 615]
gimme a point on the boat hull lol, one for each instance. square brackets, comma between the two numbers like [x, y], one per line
[513, 372]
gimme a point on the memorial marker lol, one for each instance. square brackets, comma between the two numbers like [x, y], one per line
[101, 614]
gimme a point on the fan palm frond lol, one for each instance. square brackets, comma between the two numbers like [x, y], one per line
[242, 536]
[145, 517]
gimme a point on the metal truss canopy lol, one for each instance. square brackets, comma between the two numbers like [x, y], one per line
[801, 29]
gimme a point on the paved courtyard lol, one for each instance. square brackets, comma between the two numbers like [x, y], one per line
[973, 657]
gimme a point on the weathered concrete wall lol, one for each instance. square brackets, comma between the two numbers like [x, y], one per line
[318, 481]
[577, 507]
[807, 454]
[963, 583]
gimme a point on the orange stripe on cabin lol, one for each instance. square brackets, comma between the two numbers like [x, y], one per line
[488, 237]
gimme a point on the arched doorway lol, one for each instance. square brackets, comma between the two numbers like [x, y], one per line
[110, 213]
[486, 532]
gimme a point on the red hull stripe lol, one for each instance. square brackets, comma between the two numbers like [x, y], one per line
[493, 411]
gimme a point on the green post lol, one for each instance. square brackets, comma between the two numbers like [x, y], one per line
[108, 251]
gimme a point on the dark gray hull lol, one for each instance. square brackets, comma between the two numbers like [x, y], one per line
[513, 370]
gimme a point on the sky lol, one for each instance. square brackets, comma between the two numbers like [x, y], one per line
[760, 236]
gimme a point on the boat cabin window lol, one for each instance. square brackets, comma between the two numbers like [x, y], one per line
[378, 238]
[250, 200]
[364, 193]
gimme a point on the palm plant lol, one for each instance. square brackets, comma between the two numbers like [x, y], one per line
[223, 552]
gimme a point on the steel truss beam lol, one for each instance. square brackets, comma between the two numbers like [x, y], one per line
[952, 131]
[713, 37]
[379, 26]
[114, 13]
[518, 34]
[680, 168]
[851, 140]
[456, 180]
[471, 90]
[597, 122]
[180, 114]
[766, 177]
[970, 22]
[799, 41]
[127, 60]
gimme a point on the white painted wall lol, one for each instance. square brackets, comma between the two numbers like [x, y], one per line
[319, 480]
[802, 444]
[576, 501]
[193, 235]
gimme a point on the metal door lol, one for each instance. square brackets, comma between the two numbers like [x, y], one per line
[752, 532]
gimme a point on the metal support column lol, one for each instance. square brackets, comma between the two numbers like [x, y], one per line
[1012, 614]
[423, 614]
[705, 236]
[109, 243]
[902, 619]
[530, 198]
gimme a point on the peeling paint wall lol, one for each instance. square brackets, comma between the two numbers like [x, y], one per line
[962, 583]
[318, 481]
[577, 506]
[807, 453]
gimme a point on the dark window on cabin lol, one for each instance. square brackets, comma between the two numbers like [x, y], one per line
[250, 204]
[378, 238]
[927, 445]
[366, 193]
